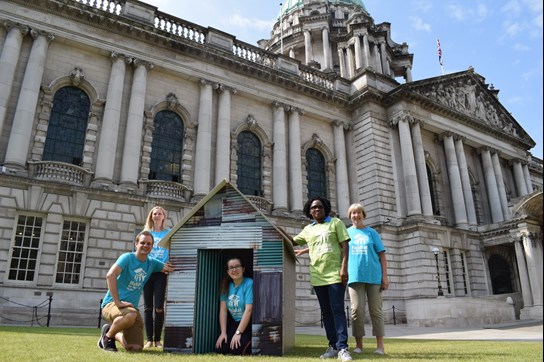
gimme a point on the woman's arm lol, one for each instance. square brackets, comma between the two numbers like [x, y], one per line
[383, 262]
[222, 324]
[344, 267]
[244, 323]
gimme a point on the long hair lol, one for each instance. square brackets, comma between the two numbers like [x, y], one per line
[224, 289]
[149, 225]
[326, 204]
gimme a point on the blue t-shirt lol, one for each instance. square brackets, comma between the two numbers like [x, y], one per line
[238, 297]
[364, 262]
[158, 252]
[133, 277]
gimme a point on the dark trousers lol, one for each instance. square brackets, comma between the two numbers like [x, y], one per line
[154, 294]
[245, 340]
[331, 301]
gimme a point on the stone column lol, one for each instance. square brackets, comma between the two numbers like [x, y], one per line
[203, 147]
[17, 151]
[408, 73]
[351, 63]
[342, 181]
[358, 55]
[107, 146]
[465, 181]
[377, 60]
[528, 181]
[135, 123]
[521, 185]
[385, 64]
[222, 146]
[308, 46]
[454, 175]
[523, 274]
[8, 63]
[279, 162]
[327, 58]
[500, 184]
[295, 161]
[421, 169]
[533, 268]
[366, 51]
[491, 185]
[411, 186]
[342, 61]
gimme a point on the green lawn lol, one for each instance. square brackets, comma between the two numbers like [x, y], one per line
[79, 344]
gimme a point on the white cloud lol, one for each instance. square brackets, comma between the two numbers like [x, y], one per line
[512, 7]
[512, 29]
[462, 13]
[521, 47]
[247, 23]
[419, 24]
[423, 5]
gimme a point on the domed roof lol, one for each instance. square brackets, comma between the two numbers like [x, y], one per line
[290, 5]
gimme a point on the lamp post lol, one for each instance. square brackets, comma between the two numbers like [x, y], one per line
[435, 251]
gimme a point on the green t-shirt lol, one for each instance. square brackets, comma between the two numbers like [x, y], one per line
[323, 240]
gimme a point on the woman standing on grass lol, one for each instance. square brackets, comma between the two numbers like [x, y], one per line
[155, 288]
[367, 270]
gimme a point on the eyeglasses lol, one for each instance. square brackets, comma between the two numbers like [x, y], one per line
[235, 267]
[316, 207]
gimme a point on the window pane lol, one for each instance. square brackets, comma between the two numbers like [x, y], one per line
[25, 248]
[249, 164]
[316, 173]
[167, 147]
[70, 252]
[67, 126]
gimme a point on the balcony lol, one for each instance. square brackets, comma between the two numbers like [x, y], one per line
[60, 172]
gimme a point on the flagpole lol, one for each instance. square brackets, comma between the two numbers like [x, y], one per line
[439, 51]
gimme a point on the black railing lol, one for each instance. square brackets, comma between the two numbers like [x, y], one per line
[35, 318]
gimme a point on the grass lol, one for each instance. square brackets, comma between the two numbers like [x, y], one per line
[79, 344]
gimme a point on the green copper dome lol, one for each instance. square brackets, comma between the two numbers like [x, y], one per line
[290, 5]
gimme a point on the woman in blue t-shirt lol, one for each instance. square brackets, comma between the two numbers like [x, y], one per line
[236, 307]
[155, 288]
[367, 271]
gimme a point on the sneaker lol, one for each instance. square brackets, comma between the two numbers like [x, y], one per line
[358, 350]
[158, 344]
[148, 344]
[379, 351]
[110, 345]
[101, 341]
[343, 355]
[331, 352]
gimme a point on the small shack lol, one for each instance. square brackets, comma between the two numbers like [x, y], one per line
[225, 224]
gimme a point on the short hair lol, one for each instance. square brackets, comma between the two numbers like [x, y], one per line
[326, 205]
[143, 233]
[356, 207]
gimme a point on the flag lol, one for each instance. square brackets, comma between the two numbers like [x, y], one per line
[439, 51]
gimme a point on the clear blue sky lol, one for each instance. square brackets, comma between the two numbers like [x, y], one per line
[501, 39]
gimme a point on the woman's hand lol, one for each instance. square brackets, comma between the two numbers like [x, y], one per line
[299, 252]
[235, 341]
[222, 338]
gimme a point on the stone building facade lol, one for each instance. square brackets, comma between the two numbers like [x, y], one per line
[110, 107]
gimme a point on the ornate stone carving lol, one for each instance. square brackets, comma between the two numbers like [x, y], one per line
[172, 101]
[77, 76]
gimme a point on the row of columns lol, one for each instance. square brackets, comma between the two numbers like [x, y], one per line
[308, 48]
[363, 55]
[528, 249]
[418, 197]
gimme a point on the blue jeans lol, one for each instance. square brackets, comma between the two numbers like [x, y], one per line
[331, 301]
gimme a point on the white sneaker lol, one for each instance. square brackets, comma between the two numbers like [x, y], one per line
[358, 350]
[329, 353]
[379, 351]
[343, 355]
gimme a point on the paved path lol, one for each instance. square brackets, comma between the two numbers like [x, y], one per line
[530, 330]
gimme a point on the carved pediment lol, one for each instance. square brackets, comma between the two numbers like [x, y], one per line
[466, 93]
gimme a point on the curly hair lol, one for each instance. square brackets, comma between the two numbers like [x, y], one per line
[326, 204]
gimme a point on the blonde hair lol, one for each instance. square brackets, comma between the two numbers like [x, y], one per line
[356, 207]
[149, 220]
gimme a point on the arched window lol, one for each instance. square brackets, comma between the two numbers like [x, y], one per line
[67, 126]
[249, 164]
[167, 147]
[316, 173]
[432, 189]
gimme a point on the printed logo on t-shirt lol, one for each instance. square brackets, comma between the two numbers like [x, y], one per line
[137, 280]
[359, 244]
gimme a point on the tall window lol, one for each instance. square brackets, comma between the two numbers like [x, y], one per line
[316, 173]
[70, 252]
[447, 270]
[67, 126]
[25, 248]
[167, 147]
[249, 162]
[432, 189]
[464, 271]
